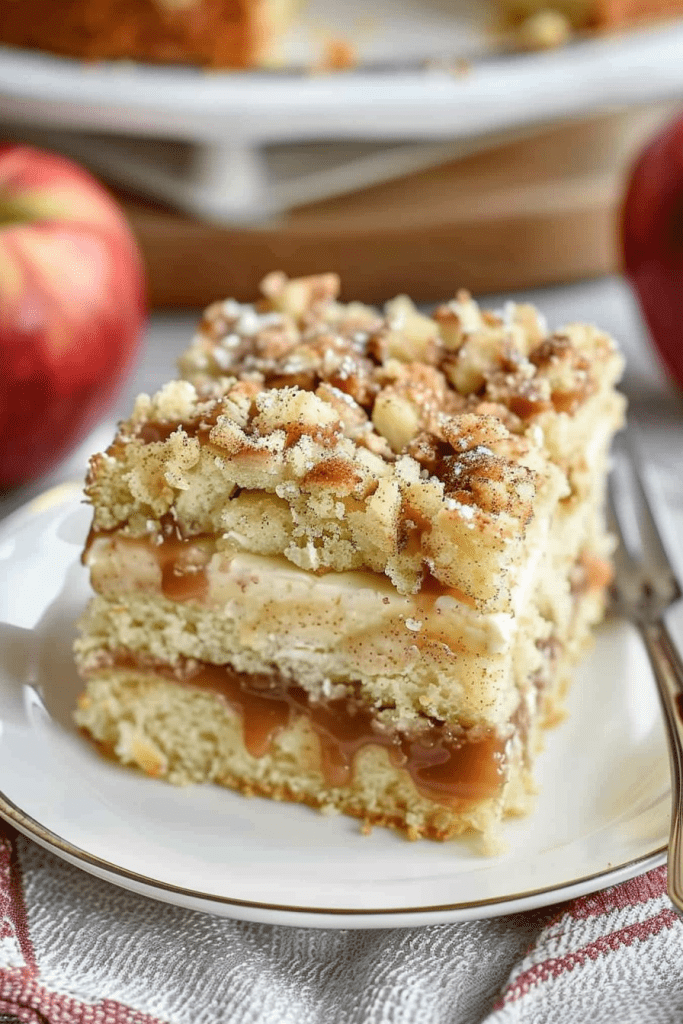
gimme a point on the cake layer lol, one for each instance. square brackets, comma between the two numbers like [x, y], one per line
[194, 722]
[438, 781]
[186, 735]
[447, 762]
[424, 651]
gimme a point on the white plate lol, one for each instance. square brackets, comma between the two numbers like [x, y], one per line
[401, 100]
[601, 817]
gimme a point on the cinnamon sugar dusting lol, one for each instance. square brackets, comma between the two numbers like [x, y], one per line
[382, 440]
[399, 366]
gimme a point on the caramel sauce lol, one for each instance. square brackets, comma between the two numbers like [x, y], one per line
[183, 567]
[445, 768]
[152, 433]
[431, 589]
[182, 560]
[262, 705]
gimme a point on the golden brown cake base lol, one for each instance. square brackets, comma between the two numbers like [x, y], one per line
[208, 746]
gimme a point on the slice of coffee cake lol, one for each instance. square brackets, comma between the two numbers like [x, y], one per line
[350, 558]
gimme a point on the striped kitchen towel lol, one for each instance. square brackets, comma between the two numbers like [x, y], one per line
[77, 950]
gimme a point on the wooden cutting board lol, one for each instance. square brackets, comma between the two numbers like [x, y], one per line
[536, 211]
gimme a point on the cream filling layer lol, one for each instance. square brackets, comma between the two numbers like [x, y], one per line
[270, 593]
[430, 649]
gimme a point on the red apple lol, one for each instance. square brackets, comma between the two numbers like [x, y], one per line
[652, 240]
[71, 307]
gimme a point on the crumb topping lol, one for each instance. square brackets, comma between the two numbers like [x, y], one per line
[346, 438]
[400, 367]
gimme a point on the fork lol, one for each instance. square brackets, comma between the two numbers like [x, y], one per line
[644, 589]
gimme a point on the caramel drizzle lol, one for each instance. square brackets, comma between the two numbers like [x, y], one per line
[182, 560]
[446, 768]
[183, 563]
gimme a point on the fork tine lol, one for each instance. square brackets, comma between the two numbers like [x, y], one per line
[644, 591]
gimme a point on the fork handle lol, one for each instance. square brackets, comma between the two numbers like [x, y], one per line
[668, 671]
